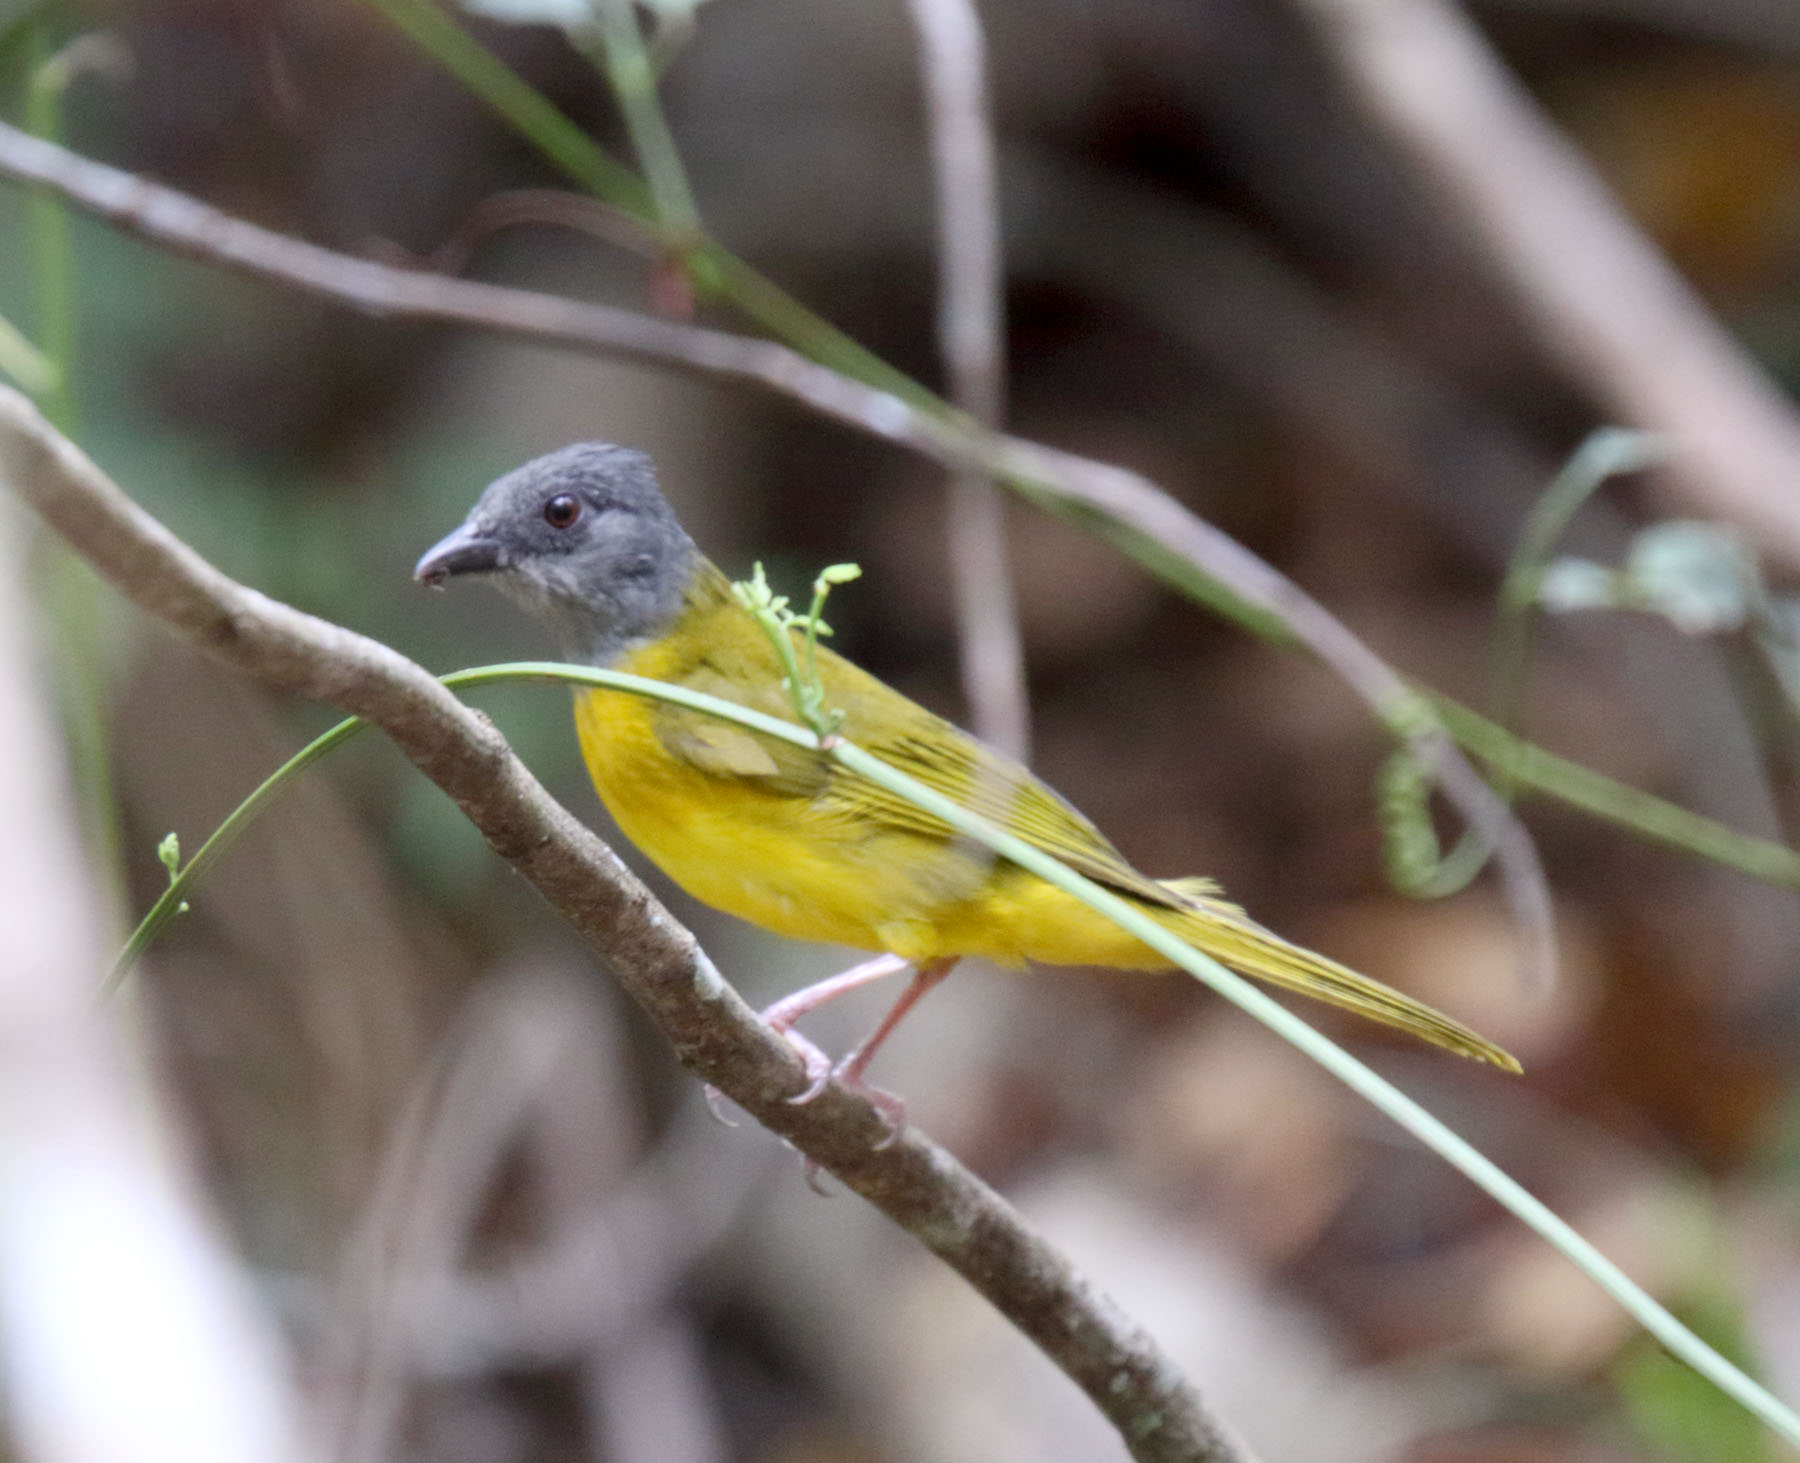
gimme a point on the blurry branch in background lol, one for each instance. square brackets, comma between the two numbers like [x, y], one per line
[535, 1065]
[1122, 507]
[972, 341]
[127, 1332]
[1772, 25]
[713, 1033]
[1605, 304]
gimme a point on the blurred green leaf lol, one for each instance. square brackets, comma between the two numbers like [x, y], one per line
[1697, 576]
[532, 12]
[1580, 584]
[1678, 1412]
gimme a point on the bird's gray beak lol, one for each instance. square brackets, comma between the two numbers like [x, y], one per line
[466, 551]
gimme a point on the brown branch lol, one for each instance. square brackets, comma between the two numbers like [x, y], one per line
[713, 1033]
[971, 339]
[1124, 506]
[1604, 302]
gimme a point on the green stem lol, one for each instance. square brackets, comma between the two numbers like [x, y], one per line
[765, 303]
[71, 596]
[52, 261]
[1528, 766]
[173, 900]
[622, 57]
[529, 113]
[1604, 455]
[1362, 1080]
[519, 104]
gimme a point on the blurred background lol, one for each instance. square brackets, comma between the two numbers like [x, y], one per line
[486, 1207]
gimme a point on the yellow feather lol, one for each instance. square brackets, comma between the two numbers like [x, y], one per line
[791, 841]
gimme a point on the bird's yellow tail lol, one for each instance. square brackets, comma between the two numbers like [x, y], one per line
[1232, 938]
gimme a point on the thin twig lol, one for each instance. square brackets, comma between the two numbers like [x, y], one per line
[1604, 302]
[971, 338]
[713, 1033]
[1119, 505]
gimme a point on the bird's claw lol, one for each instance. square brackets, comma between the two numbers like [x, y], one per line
[890, 1107]
[817, 1064]
[821, 1072]
[714, 1098]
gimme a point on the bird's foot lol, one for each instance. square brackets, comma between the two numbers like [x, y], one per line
[817, 1064]
[890, 1107]
[821, 1072]
[714, 1105]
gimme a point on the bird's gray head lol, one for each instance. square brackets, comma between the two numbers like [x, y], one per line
[583, 540]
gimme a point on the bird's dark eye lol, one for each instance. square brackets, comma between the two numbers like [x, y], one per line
[562, 510]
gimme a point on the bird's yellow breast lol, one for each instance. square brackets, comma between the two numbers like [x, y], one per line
[792, 847]
[751, 852]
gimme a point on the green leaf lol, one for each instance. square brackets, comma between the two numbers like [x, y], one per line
[1580, 584]
[1697, 576]
[532, 12]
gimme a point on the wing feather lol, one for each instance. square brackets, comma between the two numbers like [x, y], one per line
[901, 732]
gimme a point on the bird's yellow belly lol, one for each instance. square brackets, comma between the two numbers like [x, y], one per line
[760, 855]
[732, 845]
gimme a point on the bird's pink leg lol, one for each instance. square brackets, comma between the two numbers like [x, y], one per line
[789, 1009]
[850, 1070]
[819, 1068]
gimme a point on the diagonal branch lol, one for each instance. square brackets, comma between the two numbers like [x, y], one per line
[1122, 506]
[713, 1033]
[1604, 303]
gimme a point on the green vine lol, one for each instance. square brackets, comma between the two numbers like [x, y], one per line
[800, 672]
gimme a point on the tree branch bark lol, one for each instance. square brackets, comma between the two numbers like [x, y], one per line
[713, 1032]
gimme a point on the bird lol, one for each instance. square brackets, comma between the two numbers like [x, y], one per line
[788, 838]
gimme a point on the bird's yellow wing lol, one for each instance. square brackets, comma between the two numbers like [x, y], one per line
[898, 730]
